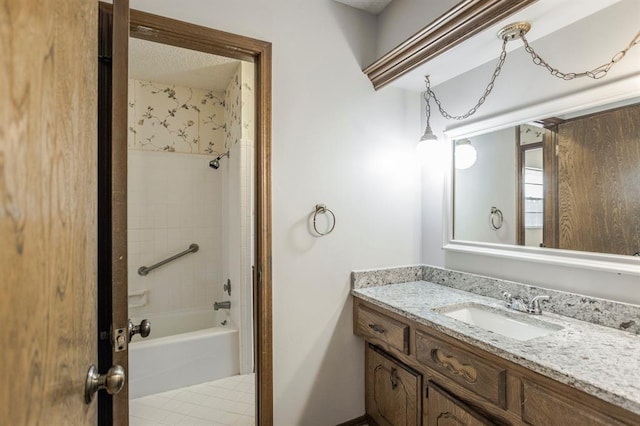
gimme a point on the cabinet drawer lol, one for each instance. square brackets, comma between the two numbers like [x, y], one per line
[375, 325]
[465, 369]
[541, 406]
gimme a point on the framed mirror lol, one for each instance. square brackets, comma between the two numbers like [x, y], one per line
[555, 183]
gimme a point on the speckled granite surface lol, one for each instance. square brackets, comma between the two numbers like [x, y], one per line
[378, 277]
[597, 360]
[622, 316]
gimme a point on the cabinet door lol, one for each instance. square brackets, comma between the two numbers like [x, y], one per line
[541, 406]
[392, 390]
[445, 410]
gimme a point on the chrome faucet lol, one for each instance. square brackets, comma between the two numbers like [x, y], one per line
[521, 304]
[222, 305]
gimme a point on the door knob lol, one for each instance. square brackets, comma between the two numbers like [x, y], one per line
[112, 382]
[144, 329]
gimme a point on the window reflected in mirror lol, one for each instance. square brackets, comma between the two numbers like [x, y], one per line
[532, 197]
[570, 182]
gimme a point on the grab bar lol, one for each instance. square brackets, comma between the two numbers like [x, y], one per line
[144, 270]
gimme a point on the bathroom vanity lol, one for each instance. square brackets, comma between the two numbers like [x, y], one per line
[435, 354]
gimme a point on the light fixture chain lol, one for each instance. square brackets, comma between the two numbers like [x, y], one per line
[496, 72]
[595, 73]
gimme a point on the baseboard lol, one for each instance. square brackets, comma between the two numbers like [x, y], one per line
[360, 421]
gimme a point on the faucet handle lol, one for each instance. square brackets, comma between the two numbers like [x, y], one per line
[534, 304]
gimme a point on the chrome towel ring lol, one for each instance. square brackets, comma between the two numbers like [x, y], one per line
[496, 219]
[322, 209]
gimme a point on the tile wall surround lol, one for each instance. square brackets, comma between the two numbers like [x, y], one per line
[618, 315]
[237, 239]
[175, 198]
[173, 201]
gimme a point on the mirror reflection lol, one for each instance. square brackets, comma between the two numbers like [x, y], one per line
[569, 182]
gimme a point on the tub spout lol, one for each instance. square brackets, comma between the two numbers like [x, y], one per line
[222, 305]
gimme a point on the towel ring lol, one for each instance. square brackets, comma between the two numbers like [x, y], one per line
[322, 209]
[496, 219]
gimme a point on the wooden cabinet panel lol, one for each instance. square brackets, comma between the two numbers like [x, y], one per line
[541, 406]
[467, 370]
[444, 410]
[373, 325]
[392, 390]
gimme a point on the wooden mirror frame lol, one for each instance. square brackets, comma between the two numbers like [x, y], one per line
[168, 31]
[461, 22]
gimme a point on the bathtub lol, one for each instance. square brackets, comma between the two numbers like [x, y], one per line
[184, 349]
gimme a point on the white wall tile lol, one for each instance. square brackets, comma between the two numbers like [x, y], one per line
[174, 201]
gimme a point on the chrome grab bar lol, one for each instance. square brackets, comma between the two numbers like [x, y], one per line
[144, 270]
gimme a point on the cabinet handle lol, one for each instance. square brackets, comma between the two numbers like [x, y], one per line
[377, 328]
[394, 378]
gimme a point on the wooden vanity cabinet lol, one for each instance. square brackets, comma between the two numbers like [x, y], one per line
[416, 375]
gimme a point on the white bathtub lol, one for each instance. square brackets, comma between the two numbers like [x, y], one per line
[173, 357]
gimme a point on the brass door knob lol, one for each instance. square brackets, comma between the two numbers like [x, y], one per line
[144, 329]
[112, 382]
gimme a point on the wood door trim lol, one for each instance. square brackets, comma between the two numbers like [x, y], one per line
[520, 234]
[520, 203]
[550, 228]
[164, 30]
[464, 20]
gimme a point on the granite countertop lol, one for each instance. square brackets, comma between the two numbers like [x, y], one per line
[598, 360]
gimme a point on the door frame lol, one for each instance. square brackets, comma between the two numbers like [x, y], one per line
[168, 31]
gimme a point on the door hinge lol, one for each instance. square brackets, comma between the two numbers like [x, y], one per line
[104, 58]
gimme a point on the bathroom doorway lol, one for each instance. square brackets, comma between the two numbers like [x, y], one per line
[190, 192]
[197, 183]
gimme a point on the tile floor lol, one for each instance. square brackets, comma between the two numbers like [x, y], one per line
[228, 401]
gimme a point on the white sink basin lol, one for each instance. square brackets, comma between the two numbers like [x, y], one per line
[503, 323]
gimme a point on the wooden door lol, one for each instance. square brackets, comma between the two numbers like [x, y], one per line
[444, 410]
[112, 203]
[47, 210]
[392, 391]
[599, 182]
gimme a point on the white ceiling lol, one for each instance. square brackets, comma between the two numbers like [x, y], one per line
[545, 16]
[373, 7]
[182, 67]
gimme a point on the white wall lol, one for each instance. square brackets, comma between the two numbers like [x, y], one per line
[581, 46]
[335, 141]
[490, 182]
